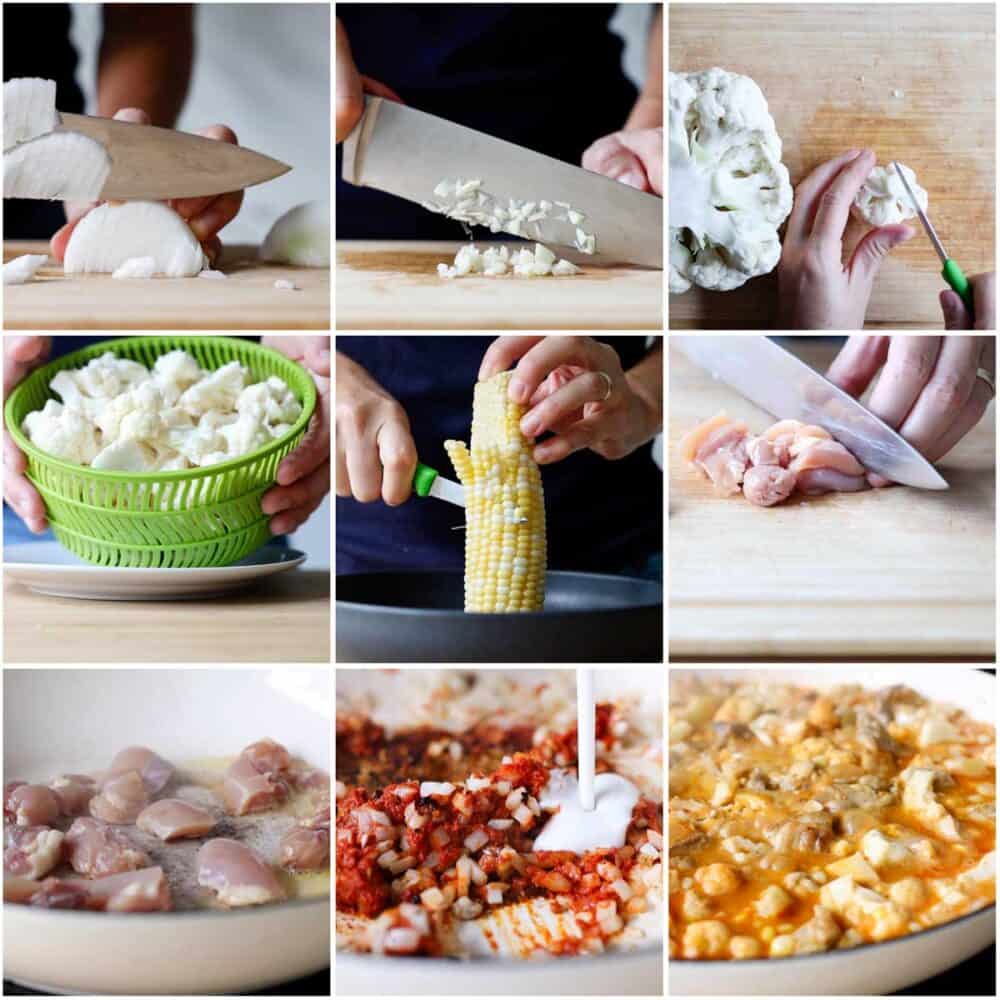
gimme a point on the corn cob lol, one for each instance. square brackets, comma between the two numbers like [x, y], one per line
[504, 506]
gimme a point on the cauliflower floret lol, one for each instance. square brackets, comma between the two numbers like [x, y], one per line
[174, 372]
[117, 416]
[245, 435]
[126, 455]
[883, 200]
[109, 375]
[729, 190]
[219, 391]
[62, 432]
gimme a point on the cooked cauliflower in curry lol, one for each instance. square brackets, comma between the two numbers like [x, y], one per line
[802, 821]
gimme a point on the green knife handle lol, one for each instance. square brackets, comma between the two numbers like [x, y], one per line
[423, 479]
[956, 278]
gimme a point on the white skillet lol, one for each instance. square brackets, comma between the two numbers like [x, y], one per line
[75, 720]
[872, 969]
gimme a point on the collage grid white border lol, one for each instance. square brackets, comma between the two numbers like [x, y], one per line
[665, 667]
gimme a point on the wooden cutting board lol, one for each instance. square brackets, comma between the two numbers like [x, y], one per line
[830, 73]
[394, 285]
[893, 573]
[246, 300]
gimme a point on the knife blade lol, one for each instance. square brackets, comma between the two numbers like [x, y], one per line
[777, 381]
[407, 153]
[160, 163]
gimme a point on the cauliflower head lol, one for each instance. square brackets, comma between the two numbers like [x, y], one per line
[729, 190]
[882, 200]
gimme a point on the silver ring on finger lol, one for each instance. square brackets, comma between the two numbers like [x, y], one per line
[988, 379]
[610, 386]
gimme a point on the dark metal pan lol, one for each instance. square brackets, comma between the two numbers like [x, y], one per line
[418, 618]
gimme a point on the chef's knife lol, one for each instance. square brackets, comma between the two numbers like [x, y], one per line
[787, 388]
[158, 163]
[408, 152]
[950, 270]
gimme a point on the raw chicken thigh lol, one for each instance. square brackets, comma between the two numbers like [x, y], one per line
[94, 848]
[154, 771]
[121, 799]
[257, 779]
[74, 792]
[31, 851]
[172, 819]
[788, 456]
[236, 874]
[29, 805]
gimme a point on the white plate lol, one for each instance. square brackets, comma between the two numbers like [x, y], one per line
[48, 568]
[614, 973]
[61, 720]
[872, 969]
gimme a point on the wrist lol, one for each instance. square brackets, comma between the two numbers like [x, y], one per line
[650, 406]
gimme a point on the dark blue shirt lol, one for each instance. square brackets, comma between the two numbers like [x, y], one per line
[601, 516]
[545, 76]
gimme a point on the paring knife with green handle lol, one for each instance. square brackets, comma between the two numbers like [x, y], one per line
[951, 272]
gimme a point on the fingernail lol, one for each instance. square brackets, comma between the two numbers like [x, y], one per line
[324, 359]
[632, 179]
[853, 154]
[517, 390]
[529, 426]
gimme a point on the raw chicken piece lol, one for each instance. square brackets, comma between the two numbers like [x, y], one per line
[306, 847]
[172, 819]
[814, 482]
[154, 770]
[9, 808]
[268, 757]
[74, 792]
[788, 456]
[761, 451]
[309, 779]
[694, 439]
[121, 799]
[303, 849]
[236, 874]
[718, 448]
[133, 892]
[30, 805]
[827, 454]
[93, 848]
[31, 851]
[18, 889]
[61, 894]
[256, 779]
[766, 485]
[129, 892]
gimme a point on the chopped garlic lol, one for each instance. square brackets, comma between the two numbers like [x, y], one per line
[212, 275]
[496, 261]
[284, 283]
[466, 201]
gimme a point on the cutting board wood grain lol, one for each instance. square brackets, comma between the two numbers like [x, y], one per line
[246, 300]
[394, 285]
[831, 73]
[885, 574]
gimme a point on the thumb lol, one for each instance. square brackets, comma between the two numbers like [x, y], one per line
[874, 248]
[956, 316]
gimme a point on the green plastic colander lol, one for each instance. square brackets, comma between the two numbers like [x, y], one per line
[196, 517]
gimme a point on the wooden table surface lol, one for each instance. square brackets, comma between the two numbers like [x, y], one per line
[394, 285]
[831, 74]
[284, 619]
[246, 300]
[885, 574]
